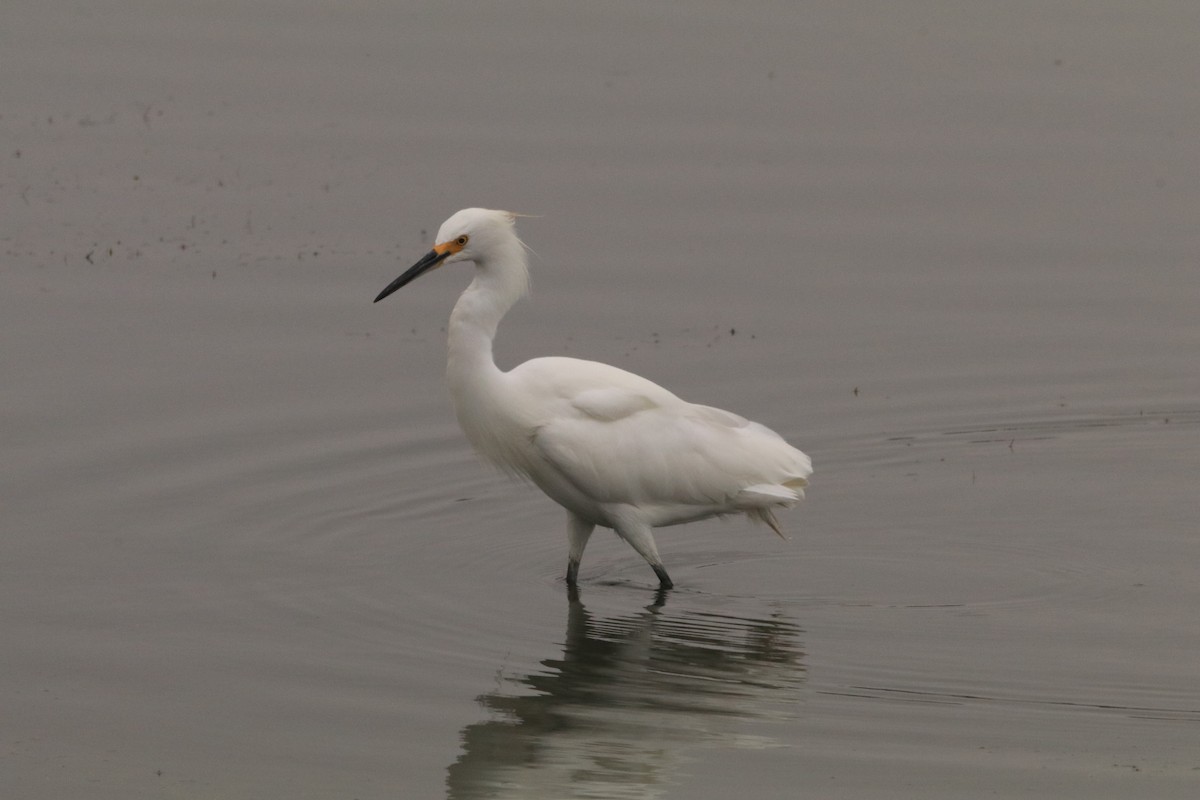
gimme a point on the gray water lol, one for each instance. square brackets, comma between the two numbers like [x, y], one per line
[949, 252]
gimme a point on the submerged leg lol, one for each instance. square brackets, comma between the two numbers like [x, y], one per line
[664, 580]
[578, 532]
[641, 538]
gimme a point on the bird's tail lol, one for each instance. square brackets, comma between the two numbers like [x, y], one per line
[758, 500]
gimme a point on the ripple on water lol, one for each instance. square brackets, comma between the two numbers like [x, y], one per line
[1001, 578]
[419, 543]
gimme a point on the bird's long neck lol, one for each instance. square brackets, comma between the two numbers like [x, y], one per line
[499, 283]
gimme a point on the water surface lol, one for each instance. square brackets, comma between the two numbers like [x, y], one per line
[950, 254]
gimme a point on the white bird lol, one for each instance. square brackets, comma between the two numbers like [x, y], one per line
[612, 448]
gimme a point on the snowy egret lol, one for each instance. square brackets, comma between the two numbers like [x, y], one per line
[612, 448]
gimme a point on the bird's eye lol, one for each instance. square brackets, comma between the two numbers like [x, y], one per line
[462, 240]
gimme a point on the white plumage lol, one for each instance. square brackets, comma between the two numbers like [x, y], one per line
[613, 448]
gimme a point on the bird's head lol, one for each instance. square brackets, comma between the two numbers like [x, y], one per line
[468, 235]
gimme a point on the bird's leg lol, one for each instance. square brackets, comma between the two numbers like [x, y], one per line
[641, 538]
[664, 580]
[578, 533]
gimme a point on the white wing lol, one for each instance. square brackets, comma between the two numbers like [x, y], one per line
[619, 438]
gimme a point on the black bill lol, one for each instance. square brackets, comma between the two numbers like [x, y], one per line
[429, 261]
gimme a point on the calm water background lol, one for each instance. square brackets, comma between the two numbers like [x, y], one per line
[951, 253]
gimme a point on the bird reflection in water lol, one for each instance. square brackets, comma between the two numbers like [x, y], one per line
[629, 702]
